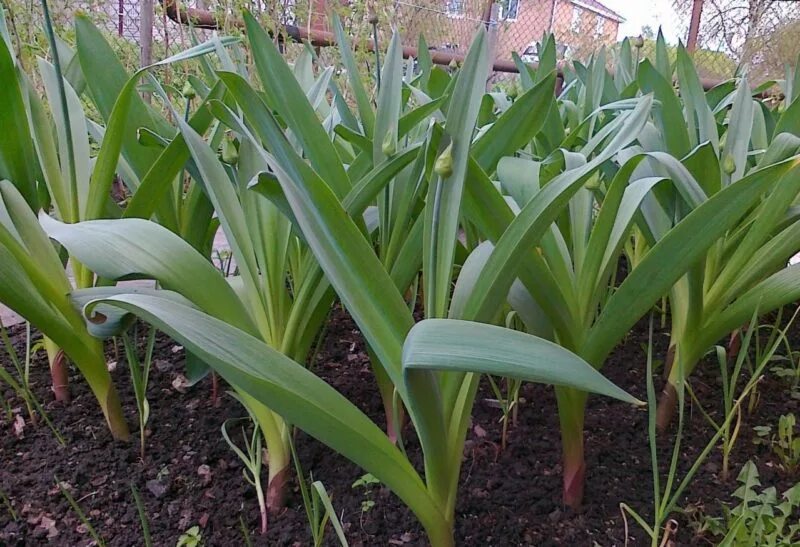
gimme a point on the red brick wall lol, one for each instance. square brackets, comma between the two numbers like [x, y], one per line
[534, 19]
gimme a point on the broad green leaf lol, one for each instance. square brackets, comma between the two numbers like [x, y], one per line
[445, 191]
[737, 136]
[17, 159]
[672, 257]
[700, 120]
[287, 387]
[365, 112]
[668, 113]
[450, 344]
[97, 57]
[537, 215]
[285, 95]
[126, 248]
[389, 101]
[516, 126]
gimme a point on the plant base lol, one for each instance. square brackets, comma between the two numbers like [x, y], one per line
[667, 403]
[574, 480]
[276, 490]
[59, 372]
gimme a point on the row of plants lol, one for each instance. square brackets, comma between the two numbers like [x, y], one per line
[502, 221]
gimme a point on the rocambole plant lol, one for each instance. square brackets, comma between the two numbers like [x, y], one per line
[562, 292]
[56, 166]
[435, 365]
[279, 295]
[728, 140]
[36, 284]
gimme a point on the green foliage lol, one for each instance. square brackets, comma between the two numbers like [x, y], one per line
[140, 375]
[318, 505]
[79, 512]
[784, 442]
[501, 216]
[21, 384]
[252, 458]
[713, 65]
[192, 537]
[761, 517]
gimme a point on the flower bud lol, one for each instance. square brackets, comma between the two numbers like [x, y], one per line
[389, 146]
[444, 163]
[638, 42]
[728, 164]
[188, 91]
[230, 154]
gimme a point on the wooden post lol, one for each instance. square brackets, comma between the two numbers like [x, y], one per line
[146, 32]
[146, 22]
[694, 25]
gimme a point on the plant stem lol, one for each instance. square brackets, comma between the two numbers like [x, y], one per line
[571, 411]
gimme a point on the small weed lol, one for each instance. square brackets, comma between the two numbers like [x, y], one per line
[785, 444]
[762, 518]
[190, 538]
[366, 481]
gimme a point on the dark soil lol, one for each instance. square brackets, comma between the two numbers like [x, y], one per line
[190, 477]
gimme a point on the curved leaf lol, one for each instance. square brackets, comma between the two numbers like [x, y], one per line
[465, 346]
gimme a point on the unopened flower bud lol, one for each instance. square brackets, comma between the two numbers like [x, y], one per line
[389, 146]
[230, 154]
[728, 164]
[444, 163]
[188, 91]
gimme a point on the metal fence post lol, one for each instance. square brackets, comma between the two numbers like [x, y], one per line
[491, 26]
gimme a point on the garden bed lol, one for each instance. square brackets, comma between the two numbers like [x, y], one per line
[190, 477]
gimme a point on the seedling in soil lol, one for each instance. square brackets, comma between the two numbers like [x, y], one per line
[366, 482]
[508, 404]
[785, 444]
[22, 386]
[663, 529]
[190, 538]
[79, 513]
[245, 533]
[252, 458]
[730, 380]
[317, 503]
[148, 541]
[7, 504]
[140, 375]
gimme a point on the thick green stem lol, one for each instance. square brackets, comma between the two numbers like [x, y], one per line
[685, 359]
[115, 417]
[87, 354]
[440, 533]
[276, 437]
[103, 388]
[571, 412]
[386, 389]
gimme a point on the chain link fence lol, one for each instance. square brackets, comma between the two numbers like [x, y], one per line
[761, 35]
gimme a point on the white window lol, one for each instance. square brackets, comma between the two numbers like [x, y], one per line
[509, 10]
[454, 8]
[600, 25]
[577, 13]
